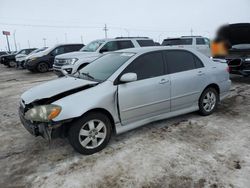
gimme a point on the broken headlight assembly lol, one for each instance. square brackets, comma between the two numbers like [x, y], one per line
[43, 113]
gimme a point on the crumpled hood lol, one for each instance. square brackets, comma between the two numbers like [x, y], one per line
[78, 55]
[53, 88]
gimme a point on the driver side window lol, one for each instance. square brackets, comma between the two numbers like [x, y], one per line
[110, 46]
[57, 51]
[147, 66]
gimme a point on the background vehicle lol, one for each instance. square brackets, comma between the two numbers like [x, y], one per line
[20, 60]
[121, 91]
[43, 61]
[10, 60]
[21, 57]
[3, 53]
[199, 43]
[72, 62]
[233, 44]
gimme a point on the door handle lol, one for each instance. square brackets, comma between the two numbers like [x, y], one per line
[163, 81]
[200, 73]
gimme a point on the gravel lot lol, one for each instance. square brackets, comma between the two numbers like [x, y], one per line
[187, 151]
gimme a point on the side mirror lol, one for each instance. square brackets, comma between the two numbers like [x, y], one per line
[128, 77]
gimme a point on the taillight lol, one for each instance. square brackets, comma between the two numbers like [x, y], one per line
[228, 69]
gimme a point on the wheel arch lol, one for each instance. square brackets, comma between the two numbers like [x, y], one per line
[63, 132]
[213, 85]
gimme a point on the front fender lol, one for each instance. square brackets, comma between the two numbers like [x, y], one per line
[101, 96]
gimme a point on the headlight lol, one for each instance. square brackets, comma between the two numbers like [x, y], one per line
[32, 59]
[247, 59]
[43, 113]
[70, 61]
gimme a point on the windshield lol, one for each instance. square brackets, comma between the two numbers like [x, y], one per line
[103, 67]
[22, 52]
[174, 42]
[92, 47]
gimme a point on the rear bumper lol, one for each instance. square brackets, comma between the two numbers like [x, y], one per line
[225, 89]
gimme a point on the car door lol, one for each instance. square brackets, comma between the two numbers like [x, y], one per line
[150, 94]
[57, 51]
[188, 78]
[203, 46]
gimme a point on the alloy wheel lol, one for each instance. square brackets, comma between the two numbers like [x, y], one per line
[92, 134]
[209, 101]
[42, 67]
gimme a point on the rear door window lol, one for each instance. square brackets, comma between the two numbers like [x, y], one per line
[71, 48]
[147, 66]
[143, 43]
[200, 41]
[125, 44]
[178, 41]
[179, 61]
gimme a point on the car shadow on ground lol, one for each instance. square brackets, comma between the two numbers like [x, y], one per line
[240, 79]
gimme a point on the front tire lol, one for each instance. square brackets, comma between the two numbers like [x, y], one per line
[42, 67]
[90, 134]
[12, 64]
[208, 101]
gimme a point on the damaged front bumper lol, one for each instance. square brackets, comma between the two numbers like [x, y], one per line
[38, 129]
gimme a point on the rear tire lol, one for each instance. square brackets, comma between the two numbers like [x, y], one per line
[42, 67]
[90, 134]
[208, 101]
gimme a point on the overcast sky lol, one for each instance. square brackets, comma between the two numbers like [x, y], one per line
[60, 21]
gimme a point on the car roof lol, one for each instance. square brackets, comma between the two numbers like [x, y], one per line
[153, 48]
[123, 38]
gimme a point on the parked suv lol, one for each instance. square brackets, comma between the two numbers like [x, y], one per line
[72, 62]
[43, 61]
[202, 44]
[10, 59]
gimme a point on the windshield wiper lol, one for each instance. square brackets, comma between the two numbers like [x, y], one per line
[87, 74]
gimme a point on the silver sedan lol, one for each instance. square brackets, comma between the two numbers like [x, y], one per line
[121, 91]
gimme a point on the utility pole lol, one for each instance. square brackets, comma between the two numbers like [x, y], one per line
[29, 43]
[127, 31]
[44, 42]
[191, 32]
[81, 39]
[14, 35]
[66, 39]
[105, 29]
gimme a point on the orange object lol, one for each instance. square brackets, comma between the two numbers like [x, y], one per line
[54, 113]
[218, 49]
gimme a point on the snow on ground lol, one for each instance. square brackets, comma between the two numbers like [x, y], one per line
[182, 152]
